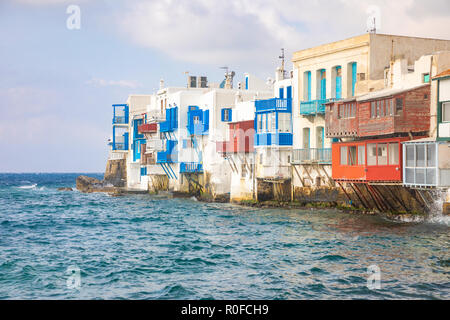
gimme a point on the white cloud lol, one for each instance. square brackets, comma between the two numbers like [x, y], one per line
[251, 32]
[110, 83]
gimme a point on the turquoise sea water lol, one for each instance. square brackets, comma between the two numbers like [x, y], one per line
[144, 247]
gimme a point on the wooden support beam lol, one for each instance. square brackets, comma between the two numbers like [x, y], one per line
[343, 189]
[331, 183]
[362, 195]
[307, 172]
[298, 175]
[385, 200]
[398, 199]
[357, 195]
[372, 197]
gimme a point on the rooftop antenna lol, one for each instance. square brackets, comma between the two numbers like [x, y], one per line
[282, 59]
[186, 73]
[374, 26]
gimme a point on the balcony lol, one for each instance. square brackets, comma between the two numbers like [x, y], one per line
[120, 143]
[166, 157]
[168, 126]
[279, 139]
[191, 167]
[274, 104]
[306, 156]
[313, 107]
[148, 128]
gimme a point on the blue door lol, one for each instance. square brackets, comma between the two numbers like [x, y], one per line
[289, 92]
[354, 66]
[323, 85]
[338, 83]
[309, 85]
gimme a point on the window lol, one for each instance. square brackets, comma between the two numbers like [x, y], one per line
[446, 111]
[259, 125]
[420, 156]
[393, 154]
[341, 111]
[382, 154]
[373, 110]
[226, 115]
[264, 122]
[398, 105]
[426, 77]
[272, 122]
[431, 155]
[410, 156]
[344, 156]
[371, 154]
[353, 110]
[361, 155]
[391, 107]
[352, 156]
[196, 119]
[284, 122]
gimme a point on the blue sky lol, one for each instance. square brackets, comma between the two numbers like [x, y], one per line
[57, 85]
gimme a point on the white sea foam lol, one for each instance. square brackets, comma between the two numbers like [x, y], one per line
[33, 186]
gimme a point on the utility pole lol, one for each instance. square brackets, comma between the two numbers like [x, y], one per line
[282, 57]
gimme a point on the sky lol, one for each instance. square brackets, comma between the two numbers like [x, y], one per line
[57, 84]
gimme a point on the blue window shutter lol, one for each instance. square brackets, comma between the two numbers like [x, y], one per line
[338, 84]
[289, 92]
[354, 68]
[281, 93]
[246, 83]
[206, 120]
[309, 85]
[222, 114]
[230, 114]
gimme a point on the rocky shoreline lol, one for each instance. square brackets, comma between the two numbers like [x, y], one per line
[87, 184]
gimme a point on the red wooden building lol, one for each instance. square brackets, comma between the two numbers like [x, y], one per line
[377, 160]
[383, 113]
[241, 138]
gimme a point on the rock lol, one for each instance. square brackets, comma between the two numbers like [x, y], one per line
[88, 184]
[65, 189]
[115, 173]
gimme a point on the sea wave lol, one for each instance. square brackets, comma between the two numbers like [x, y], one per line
[33, 186]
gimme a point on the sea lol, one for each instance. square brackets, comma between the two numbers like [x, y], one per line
[69, 245]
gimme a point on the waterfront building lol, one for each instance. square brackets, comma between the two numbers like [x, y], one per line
[195, 118]
[339, 72]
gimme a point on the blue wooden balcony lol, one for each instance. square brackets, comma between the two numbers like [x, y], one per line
[120, 114]
[278, 139]
[313, 107]
[275, 104]
[166, 157]
[312, 155]
[191, 167]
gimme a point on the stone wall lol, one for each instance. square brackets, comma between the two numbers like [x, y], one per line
[116, 173]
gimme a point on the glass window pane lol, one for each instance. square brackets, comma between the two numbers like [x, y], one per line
[420, 176]
[382, 154]
[410, 156]
[393, 153]
[343, 156]
[373, 112]
[446, 111]
[420, 154]
[371, 154]
[431, 155]
[398, 105]
[409, 175]
[352, 156]
[361, 155]
[431, 176]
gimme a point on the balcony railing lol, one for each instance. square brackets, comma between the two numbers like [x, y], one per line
[280, 139]
[148, 128]
[168, 126]
[191, 167]
[166, 157]
[274, 104]
[313, 107]
[120, 120]
[301, 156]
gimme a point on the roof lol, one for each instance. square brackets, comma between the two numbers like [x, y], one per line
[388, 92]
[444, 74]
